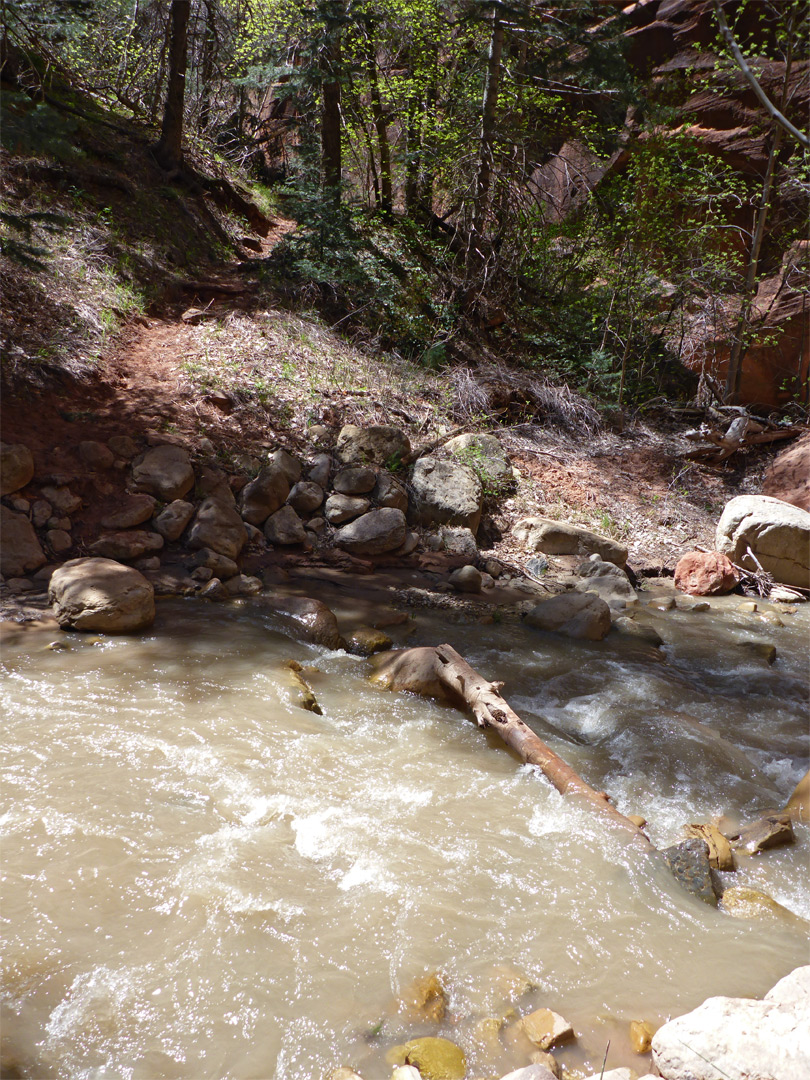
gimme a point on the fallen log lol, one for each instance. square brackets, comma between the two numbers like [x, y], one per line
[440, 672]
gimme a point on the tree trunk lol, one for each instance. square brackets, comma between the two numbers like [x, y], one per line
[209, 51]
[331, 159]
[381, 126]
[441, 672]
[484, 179]
[169, 150]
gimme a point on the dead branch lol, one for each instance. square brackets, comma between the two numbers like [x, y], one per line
[442, 673]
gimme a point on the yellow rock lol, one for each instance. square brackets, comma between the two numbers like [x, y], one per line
[637, 819]
[798, 805]
[425, 998]
[641, 1034]
[546, 1028]
[542, 1057]
[743, 902]
[396, 1055]
[720, 855]
[747, 606]
[486, 1033]
[436, 1059]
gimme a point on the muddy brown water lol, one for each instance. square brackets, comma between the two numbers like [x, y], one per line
[201, 880]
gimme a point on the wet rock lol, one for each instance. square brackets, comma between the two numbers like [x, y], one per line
[701, 606]
[459, 541]
[720, 854]
[436, 1059]
[59, 541]
[355, 480]
[546, 1028]
[558, 538]
[487, 458]
[219, 527]
[213, 590]
[264, 495]
[365, 640]
[770, 831]
[637, 820]
[535, 1071]
[309, 620]
[123, 447]
[305, 698]
[705, 573]
[446, 493]
[548, 1061]
[777, 532]
[768, 1039]
[798, 805]
[287, 465]
[128, 544]
[242, 585]
[388, 491]
[378, 445]
[305, 497]
[131, 510]
[100, 594]
[425, 999]
[743, 902]
[96, 455]
[662, 603]
[406, 1072]
[467, 579]
[41, 511]
[641, 1036]
[342, 508]
[765, 650]
[344, 1073]
[689, 863]
[748, 607]
[172, 521]
[16, 467]
[374, 533]
[771, 617]
[320, 470]
[577, 615]
[62, 499]
[606, 580]
[285, 527]
[630, 628]
[164, 471]
[220, 565]
[20, 550]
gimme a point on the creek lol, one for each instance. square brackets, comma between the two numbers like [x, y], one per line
[201, 880]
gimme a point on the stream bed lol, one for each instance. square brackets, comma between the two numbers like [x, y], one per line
[202, 880]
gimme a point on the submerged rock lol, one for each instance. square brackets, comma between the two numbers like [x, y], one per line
[772, 830]
[546, 1028]
[365, 641]
[436, 1059]
[744, 902]
[641, 1036]
[689, 862]
[425, 999]
[577, 615]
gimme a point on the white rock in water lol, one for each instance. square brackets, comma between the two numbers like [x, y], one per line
[741, 1037]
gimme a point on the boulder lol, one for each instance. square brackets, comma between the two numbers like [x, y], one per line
[743, 902]
[218, 526]
[309, 620]
[172, 521]
[128, 544]
[630, 628]
[20, 550]
[320, 470]
[777, 532]
[285, 527]
[96, 455]
[436, 1059]
[342, 508]
[131, 510]
[264, 495]
[705, 573]
[59, 541]
[546, 1028]
[770, 831]
[788, 475]
[765, 650]
[305, 497]
[720, 854]
[100, 594]
[577, 615]
[219, 565]
[459, 541]
[388, 491]
[365, 641]
[123, 447]
[373, 533]
[379, 445]
[287, 465]
[467, 579]
[487, 459]
[165, 472]
[446, 493]
[16, 467]
[558, 538]
[689, 863]
[606, 580]
[213, 483]
[356, 480]
[62, 499]
[741, 1037]
[242, 585]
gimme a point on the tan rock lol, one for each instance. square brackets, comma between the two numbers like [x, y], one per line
[425, 998]
[798, 805]
[559, 538]
[705, 573]
[744, 902]
[20, 550]
[165, 472]
[100, 594]
[772, 830]
[777, 532]
[547, 1060]
[130, 511]
[127, 544]
[16, 467]
[720, 854]
[637, 819]
[641, 1036]
[545, 1028]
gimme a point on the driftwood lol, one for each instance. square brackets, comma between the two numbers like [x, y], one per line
[441, 673]
[743, 432]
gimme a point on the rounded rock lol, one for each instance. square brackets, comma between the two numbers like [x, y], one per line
[100, 594]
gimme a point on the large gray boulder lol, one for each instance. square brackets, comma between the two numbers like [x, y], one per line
[16, 467]
[606, 580]
[165, 472]
[446, 493]
[374, 533]
[741, 1037]
[266, 494]
[219, 527]
[575, 614]
[379, 445]
[100, 594]
[486, 457]
[20, 550]
[777, 532]
[559, 538]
